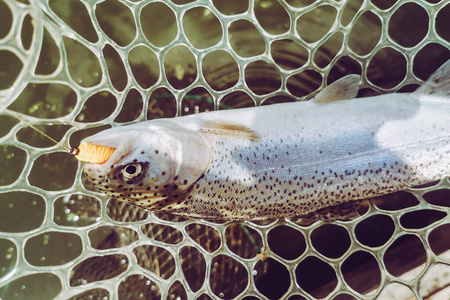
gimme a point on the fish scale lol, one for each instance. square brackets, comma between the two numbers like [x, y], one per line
[315, 154]
[265, 193]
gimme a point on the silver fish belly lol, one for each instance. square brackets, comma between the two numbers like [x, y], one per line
[281, 160]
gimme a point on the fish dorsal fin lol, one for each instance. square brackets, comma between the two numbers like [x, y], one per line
[343, 89]
[439, 82]
[222, 127]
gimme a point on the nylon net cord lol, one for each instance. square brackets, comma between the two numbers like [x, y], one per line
[72, 68]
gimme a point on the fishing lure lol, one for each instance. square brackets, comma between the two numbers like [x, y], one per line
[92, 153]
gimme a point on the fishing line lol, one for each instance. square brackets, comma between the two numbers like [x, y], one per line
[14, 115]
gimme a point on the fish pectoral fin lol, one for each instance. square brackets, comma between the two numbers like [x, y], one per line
[150, 203]
[343, 89]
[346, 211]
[439, 82]
[159, 203]
[221, 127]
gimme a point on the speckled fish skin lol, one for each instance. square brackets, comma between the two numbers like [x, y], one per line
[281, 160]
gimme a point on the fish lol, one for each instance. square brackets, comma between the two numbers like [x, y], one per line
[282, 160]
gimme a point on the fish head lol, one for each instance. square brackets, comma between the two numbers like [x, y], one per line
[152, 164]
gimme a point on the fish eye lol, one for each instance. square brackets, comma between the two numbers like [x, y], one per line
[131, 171]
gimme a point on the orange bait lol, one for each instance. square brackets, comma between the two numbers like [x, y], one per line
[92, 153]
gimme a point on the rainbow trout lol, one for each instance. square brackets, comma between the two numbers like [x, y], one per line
[281, 160]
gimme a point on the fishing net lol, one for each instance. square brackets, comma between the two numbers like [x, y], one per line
[72, 68]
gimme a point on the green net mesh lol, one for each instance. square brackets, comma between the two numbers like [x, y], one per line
[74, 67]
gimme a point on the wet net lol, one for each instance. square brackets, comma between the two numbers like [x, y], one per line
[74, 67]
